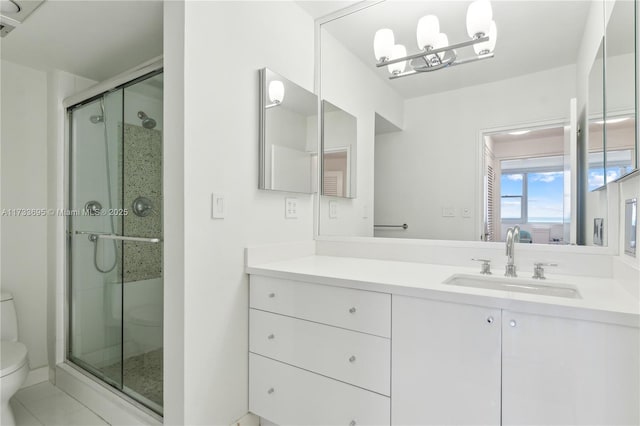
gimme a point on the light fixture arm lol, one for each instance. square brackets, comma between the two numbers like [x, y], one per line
[443, 65]
[274, 104]
[424, 53]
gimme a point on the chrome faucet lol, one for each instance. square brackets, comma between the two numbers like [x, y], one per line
[513, 236]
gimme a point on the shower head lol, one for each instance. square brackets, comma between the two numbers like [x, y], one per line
[147, 122]
[95, 119]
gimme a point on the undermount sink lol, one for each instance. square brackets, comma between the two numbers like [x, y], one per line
[521, 285]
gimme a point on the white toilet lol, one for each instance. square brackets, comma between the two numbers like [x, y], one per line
[13, 361]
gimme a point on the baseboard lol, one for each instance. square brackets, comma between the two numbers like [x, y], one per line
[116, 409]
[36, 376]
[248, 419]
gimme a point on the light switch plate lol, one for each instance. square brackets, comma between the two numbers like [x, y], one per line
[218, 207]
[448, 212]
[291, 208]
[333, 209]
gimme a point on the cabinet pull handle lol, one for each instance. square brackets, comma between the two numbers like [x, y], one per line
[490, 320]
[352, 310]
[272, 295]
[271, 337]
[512, 323]
[352, 423]
[271, 390]
[352, 358]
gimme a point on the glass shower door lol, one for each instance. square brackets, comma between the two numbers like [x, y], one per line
[95, 340]
[115, 239]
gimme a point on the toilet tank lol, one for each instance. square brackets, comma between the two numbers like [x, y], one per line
[8, 318]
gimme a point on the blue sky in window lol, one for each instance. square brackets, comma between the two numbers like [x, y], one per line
[545, 196]
[546, 192]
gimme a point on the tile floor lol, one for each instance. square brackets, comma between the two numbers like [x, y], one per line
[45, 404]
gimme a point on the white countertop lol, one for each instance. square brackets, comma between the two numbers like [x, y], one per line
[603, 299]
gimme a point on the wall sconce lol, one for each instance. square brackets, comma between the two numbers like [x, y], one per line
[276, 93]
[435, 51]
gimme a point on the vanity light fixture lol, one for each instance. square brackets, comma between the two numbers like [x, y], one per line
[435, 51]
[276, 93]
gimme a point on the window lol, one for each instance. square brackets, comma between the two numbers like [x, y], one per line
[619, 163]
[532, 190]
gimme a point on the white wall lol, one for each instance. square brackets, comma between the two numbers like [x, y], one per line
[24, 185]
[221, 155]
[354, 87]
[173, 178]
[439, 147]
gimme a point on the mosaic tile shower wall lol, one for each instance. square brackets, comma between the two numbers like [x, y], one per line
[142, 170]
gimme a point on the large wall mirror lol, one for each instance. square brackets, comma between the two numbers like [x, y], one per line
[460, 145]
[288, 136]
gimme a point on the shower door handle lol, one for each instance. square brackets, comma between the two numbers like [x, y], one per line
[97, 235]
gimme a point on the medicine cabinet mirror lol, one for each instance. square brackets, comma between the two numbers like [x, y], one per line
[620, 82]
[288, 135]
[339, 152]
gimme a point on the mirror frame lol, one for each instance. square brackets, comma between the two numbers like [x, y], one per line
[610, 249]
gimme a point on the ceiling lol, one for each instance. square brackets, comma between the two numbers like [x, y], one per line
[522, 47]
[92, 38]
[321, 8]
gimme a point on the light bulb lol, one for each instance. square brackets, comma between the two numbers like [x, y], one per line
[488, 46]
[398, 51]
[383, 43]
[427, 31]
[479, 16]
[8, 6]
[276, 91]
[441, 41]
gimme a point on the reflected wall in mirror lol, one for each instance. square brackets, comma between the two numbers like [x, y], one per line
[424, 165]
[288, 136]
[620, 81]
[339, 152]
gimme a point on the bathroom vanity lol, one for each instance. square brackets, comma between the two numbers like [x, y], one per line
[336, 340]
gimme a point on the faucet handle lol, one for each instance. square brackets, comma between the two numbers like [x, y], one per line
[485, 268]
[538, 270]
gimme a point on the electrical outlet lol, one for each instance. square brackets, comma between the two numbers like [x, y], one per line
[218, 208]
[291, 208]
[466, 212]
[448, 212]
[333, 209]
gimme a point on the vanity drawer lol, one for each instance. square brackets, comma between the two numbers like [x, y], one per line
[357, 358]
[365, 311]
[287, 395]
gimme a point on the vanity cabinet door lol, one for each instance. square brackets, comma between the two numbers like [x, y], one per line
[445, 363]
[558, 371]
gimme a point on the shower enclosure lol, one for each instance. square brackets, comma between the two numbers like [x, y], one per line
[115, 235]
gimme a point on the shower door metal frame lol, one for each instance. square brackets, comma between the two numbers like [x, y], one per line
[142, 72]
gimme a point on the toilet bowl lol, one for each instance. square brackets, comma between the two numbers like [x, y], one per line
[13, 358]
[13, 369]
